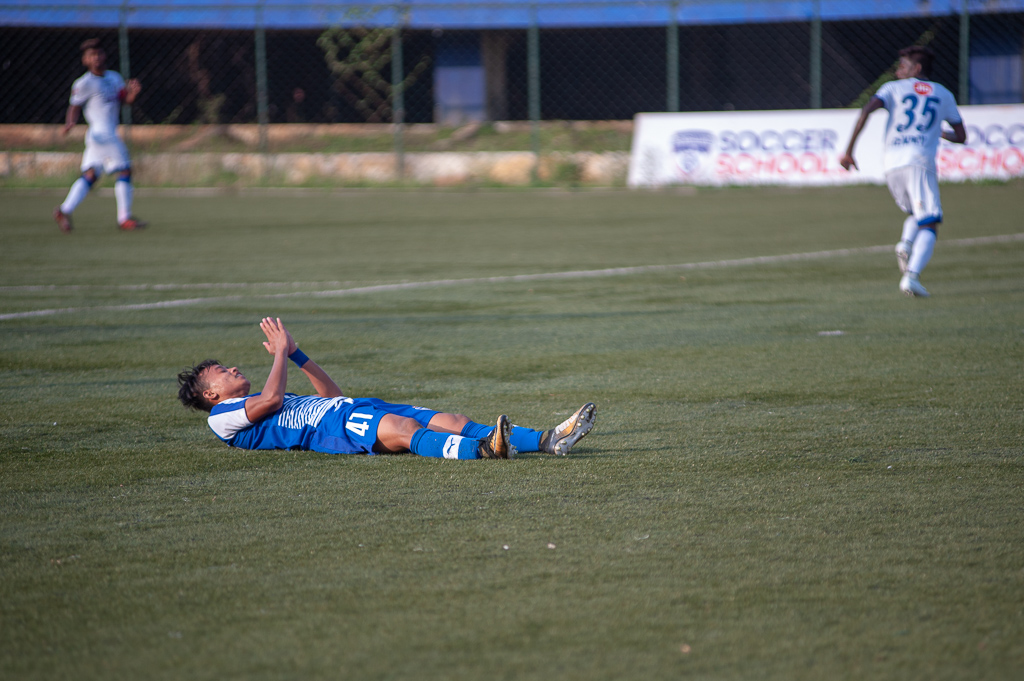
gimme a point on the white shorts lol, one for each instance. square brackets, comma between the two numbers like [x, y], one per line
[107, 154]
[916, 191]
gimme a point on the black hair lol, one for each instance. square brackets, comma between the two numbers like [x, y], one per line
[91, 44]
[919, 54]
[191, 386]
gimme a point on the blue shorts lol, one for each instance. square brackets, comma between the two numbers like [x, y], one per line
[353, 428]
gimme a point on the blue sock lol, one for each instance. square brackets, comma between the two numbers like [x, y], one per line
[526, 439]
[476, 430]
[523, 439]
[444, 445]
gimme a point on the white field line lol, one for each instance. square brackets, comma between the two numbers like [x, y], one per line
[167, 287]
[579, 274]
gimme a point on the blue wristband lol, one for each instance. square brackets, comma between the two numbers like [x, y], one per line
[299, 357]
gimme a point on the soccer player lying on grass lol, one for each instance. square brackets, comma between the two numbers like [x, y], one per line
[332, 423]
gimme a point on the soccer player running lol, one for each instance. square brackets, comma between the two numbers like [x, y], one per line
[917, 107]
[329, 422]
[100, 93]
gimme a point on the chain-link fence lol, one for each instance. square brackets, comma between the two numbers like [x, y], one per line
[449, 64]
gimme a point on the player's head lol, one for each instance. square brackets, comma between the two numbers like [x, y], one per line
[209, 383]
[915, 62]
[94, 57]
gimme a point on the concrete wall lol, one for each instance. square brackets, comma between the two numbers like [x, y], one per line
[433, 168]
[183, 162]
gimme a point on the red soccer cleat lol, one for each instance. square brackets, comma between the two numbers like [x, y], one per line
[131, 224]
[63, 220]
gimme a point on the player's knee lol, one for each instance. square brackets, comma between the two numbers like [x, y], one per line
[89, 176]
[124, 176]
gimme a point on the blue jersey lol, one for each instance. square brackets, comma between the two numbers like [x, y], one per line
[334, 425]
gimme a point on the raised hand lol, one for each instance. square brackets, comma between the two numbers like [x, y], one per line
[278, 338]
[131, 90]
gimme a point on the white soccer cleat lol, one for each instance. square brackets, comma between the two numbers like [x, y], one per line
[902, 257]
[560, 439]
[910, 286]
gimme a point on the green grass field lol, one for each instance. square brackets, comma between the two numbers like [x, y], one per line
[757, 501]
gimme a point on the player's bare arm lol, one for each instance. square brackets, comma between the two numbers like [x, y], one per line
[272, 397]
[846, 160]
[958, 135]
[322, 383]
[71, 119]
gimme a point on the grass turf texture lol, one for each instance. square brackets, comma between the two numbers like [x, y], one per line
[756, 501]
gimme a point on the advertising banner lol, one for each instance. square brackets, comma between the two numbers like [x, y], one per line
[803, 147]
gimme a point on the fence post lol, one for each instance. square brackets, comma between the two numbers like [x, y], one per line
[672, 57]
[816, 56]
[124, 67]
[533, 86]
[965, 54]
[262, 117]
[398, 97]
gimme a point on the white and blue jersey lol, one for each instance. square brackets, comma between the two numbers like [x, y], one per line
[100, 98]
[334, 425]
[916, 111]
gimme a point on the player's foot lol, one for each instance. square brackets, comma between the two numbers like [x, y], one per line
[131, 224]
[902, 257]
[63, 220]
[910, 285]
[560, 439]
[497, 445]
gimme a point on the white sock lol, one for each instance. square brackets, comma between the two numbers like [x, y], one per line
[79, 190]
[123, 194]
[924, 244]
[910, 229]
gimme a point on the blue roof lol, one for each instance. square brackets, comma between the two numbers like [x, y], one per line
[431, 14]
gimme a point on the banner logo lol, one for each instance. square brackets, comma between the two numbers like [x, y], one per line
[690, 147]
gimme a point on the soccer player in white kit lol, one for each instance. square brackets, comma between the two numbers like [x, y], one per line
[100, 93]
[916, 109]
